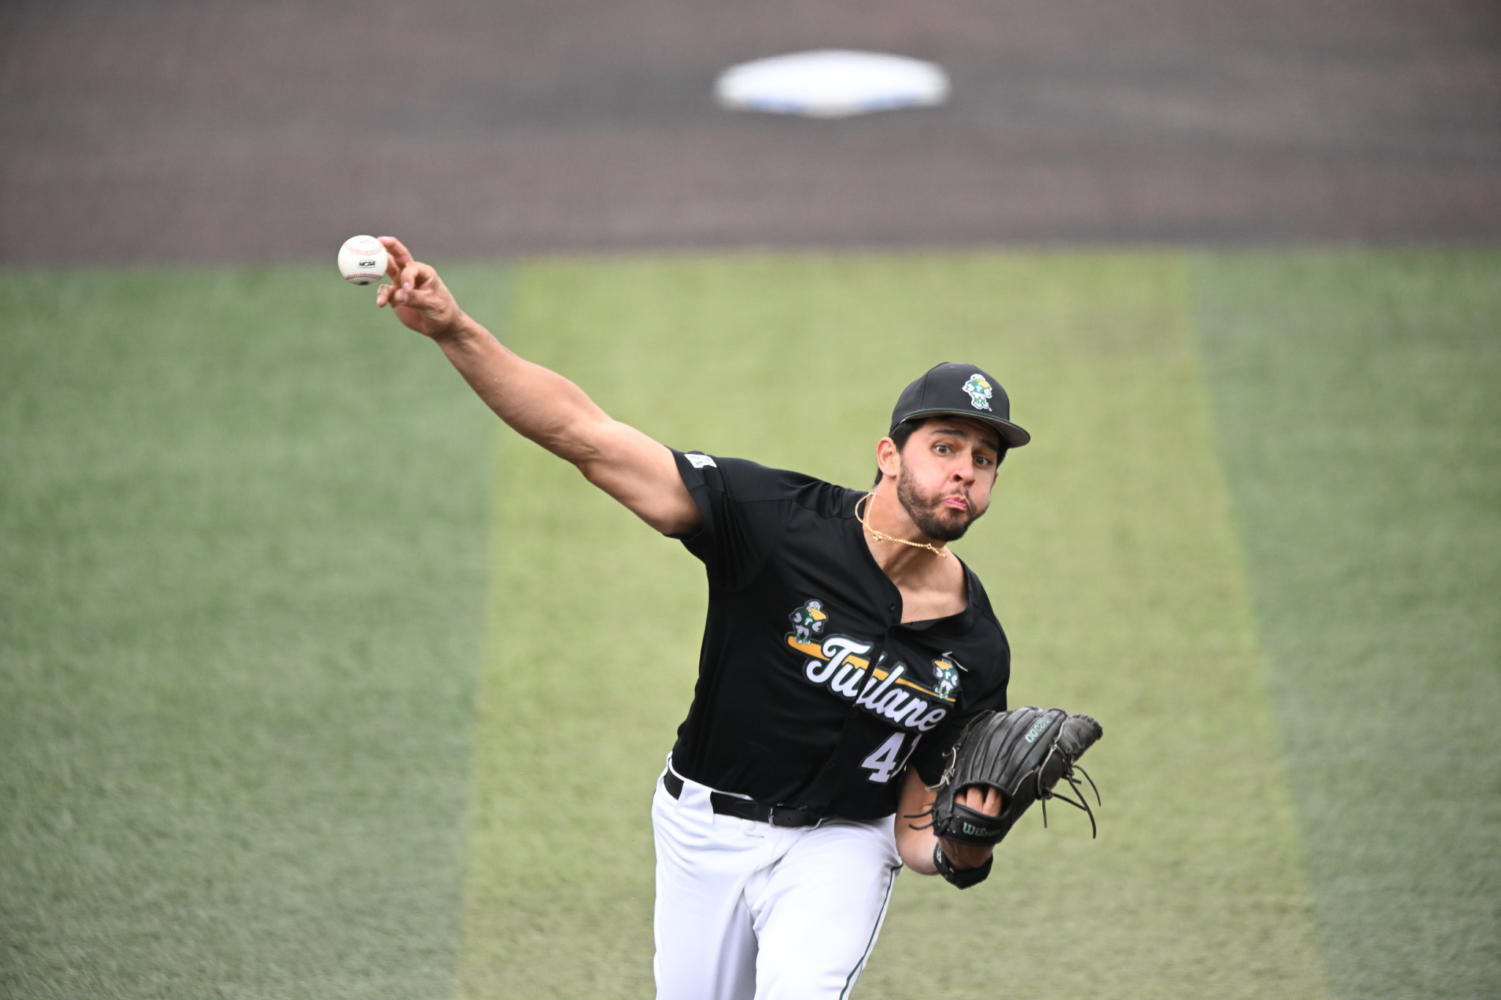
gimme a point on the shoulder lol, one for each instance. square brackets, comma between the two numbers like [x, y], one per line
[746, 481]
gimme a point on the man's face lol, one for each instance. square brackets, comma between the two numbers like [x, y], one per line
[948, 469]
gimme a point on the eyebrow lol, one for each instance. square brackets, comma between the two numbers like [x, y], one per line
[963, 431]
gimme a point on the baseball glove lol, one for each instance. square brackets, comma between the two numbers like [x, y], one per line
[1023, 753]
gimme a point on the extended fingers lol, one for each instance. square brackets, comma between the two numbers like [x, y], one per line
[417, 275]
[397, 255]
[398, 259]
[416, 285]
[981, 798]
[407, 274]
[403, 270]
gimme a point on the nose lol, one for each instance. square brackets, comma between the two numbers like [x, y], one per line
[964, 469]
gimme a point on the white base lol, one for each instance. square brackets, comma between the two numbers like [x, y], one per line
[831, 83]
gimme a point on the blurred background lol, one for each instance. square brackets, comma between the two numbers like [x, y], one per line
[218, 131]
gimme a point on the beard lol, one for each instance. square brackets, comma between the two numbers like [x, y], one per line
[933, 519]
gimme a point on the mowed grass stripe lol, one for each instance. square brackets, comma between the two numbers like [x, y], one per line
[1109, 553]
[239, 631]
[1357, 398]
[1117, 572]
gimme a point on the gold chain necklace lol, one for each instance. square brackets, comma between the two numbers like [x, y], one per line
[938, 550]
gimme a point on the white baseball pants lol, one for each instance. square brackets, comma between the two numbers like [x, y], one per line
[748, 910]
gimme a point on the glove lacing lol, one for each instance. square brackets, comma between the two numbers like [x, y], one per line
[1081, 803]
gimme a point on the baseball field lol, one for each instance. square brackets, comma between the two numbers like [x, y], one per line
[316, 683]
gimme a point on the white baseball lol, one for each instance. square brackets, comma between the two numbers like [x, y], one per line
[362, 260]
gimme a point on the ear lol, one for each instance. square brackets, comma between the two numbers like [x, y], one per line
[888, 457]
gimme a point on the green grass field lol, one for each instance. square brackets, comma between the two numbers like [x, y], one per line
[316, 683]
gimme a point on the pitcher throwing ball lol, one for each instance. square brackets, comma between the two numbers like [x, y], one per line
[846, 652]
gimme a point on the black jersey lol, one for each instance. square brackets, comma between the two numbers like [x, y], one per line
[811, 691]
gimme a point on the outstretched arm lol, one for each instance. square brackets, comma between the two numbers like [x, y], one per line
[537, 402]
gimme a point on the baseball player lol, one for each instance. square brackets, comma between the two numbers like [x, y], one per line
[844, 649]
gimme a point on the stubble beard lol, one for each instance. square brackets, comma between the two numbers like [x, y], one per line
[935, 521]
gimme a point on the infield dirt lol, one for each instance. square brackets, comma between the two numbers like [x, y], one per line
[218, 131]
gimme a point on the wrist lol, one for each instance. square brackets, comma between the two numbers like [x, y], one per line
[457, 331]
[961, 878]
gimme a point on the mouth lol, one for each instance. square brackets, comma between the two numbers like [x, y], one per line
[956, 502]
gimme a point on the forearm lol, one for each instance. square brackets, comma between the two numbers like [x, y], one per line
[536, 402]
[916, 848]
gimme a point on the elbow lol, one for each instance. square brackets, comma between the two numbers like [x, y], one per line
[665, 507]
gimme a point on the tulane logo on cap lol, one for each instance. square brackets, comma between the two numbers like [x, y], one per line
[979, 391]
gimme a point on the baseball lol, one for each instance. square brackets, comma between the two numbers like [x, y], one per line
[362, 260]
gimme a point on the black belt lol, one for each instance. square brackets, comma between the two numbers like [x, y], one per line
[730, 805]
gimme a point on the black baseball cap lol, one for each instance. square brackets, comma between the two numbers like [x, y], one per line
[958, 390]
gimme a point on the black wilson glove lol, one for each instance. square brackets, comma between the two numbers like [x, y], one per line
[1022, 753]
